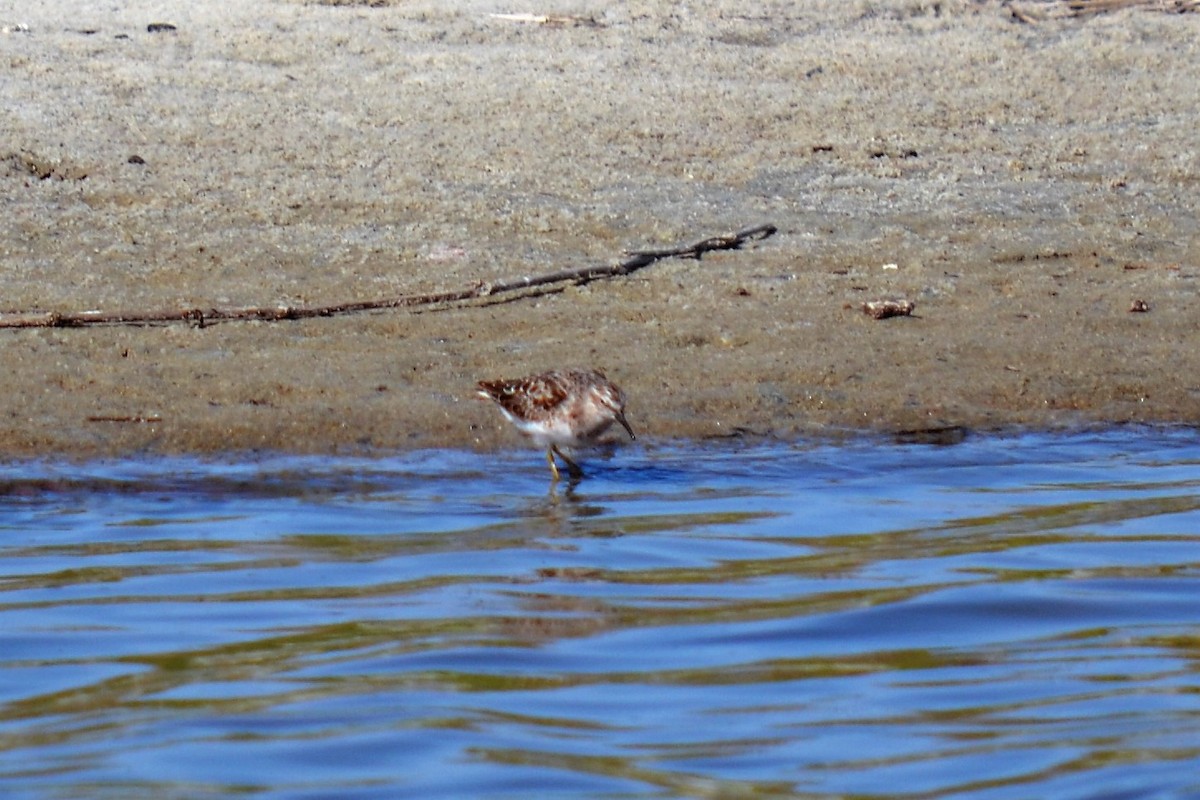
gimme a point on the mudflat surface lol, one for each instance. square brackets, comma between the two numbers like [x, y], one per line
[1023, 184]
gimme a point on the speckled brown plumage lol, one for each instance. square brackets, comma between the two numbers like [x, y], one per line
[557, 409]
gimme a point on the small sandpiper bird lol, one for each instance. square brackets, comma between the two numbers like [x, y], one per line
[560, 409]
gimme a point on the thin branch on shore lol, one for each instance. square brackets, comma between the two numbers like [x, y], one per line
[1034, 11]
[201, 317]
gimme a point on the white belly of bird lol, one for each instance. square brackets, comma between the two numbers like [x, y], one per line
[556, 431]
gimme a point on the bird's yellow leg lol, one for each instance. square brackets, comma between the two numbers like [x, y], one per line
[573, 469]
[550, 461]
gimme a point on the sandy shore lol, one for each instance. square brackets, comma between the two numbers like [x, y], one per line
[1023, 184]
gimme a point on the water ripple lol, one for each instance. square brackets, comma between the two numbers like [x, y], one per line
[1003, 618]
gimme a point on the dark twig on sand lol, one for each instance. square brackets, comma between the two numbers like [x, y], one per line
[1034, 11]
[478, 291]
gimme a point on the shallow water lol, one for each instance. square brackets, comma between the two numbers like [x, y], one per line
[1004, 618]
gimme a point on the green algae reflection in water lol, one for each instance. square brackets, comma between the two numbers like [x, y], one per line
[1001, 619]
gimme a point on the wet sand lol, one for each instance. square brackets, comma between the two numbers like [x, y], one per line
[1023, 184]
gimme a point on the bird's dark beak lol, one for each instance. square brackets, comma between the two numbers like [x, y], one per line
[625, 425]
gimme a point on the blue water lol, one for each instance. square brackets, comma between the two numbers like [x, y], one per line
[1003, 618]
